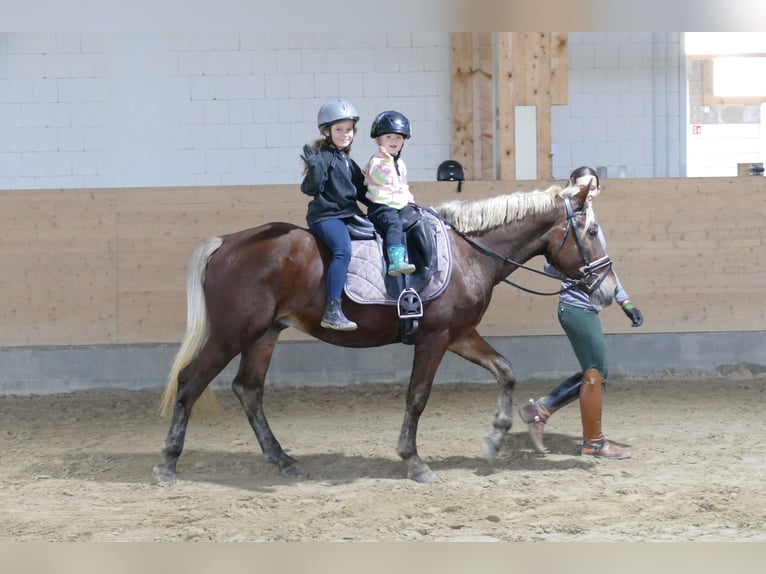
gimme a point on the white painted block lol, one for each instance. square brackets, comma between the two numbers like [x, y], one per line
[526, 142]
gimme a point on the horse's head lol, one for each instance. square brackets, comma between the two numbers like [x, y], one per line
[575, 247]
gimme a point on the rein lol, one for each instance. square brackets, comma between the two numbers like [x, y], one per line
[586, 272]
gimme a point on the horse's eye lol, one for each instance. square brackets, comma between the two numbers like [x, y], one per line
[593, 230]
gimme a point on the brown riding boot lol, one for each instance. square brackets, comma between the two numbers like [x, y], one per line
[594, 443]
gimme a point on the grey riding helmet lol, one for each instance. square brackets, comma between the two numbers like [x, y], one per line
[336, 110]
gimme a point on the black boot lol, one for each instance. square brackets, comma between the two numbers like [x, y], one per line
[334, 317]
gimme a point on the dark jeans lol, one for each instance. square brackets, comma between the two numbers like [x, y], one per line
[334, 234]
[387, 223]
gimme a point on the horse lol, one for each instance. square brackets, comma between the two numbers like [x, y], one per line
[246, 287]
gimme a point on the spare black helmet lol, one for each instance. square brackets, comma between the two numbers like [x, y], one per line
[390, 122]
[450, 170]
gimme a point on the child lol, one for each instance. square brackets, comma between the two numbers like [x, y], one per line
[336, 184]
[387, 187]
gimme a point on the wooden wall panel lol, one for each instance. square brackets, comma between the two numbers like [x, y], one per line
[108, 266]
[158, 230]
[58, 250]
[473, 103]
[504, 70]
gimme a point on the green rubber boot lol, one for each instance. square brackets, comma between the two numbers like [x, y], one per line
[396, 263]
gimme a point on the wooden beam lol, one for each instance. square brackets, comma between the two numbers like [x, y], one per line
[506, 97]
[484, 128]
[462, 99]
[540, 91]
[559, 68]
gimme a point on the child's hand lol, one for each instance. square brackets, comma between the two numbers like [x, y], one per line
[384, 152]
[308, 155]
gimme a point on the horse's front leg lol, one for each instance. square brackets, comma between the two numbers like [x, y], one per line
[476, 350]
[424, 365]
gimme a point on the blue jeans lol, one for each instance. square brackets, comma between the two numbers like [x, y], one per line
[334, 234]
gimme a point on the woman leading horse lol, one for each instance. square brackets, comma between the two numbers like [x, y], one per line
[245, 288]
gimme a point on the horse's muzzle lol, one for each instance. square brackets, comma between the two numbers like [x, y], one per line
[592, 275]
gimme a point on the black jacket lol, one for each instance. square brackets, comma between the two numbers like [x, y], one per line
[335, 182]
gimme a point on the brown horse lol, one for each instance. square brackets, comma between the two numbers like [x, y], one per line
[243, 289]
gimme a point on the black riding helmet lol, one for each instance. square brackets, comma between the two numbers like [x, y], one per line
[449, 170]
[390, 122]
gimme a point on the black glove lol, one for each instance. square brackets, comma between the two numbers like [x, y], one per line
[308, 155]
[318, 167]
[635, 316]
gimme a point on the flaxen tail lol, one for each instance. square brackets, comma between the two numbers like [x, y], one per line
[196, 326]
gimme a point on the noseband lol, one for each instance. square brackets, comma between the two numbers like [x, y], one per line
[591, 274]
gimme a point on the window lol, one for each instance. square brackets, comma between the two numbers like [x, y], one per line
[733, 66]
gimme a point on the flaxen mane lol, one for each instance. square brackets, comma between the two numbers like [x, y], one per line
[486, 214]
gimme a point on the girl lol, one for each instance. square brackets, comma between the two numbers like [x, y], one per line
[335, 183]
[387, 187]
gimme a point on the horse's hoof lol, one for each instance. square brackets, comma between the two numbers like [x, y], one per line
[425, 477]
[292, 471]
[490, 448]
[422, 474]
[163, 475]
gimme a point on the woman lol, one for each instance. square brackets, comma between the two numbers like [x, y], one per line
[336, 184]
[581, 323]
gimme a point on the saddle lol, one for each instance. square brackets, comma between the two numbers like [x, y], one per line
[428, 249]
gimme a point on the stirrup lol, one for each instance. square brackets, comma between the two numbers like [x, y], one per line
[409, 305]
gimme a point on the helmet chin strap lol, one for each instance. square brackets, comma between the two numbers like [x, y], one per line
[396, 159]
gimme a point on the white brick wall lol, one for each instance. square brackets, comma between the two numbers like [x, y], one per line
[104, 110]
[625, 105]
[112, 110]
[718, 149]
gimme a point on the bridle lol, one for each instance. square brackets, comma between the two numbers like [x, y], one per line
[590, 275]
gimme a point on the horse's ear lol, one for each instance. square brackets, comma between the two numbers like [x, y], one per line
[582, 195]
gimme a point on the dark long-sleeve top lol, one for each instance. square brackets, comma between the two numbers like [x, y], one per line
[336, 184]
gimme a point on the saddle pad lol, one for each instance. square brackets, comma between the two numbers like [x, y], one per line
[364, 282]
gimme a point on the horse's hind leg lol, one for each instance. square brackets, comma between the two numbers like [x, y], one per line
[192, 381]
[248, 386]
[476, 350]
